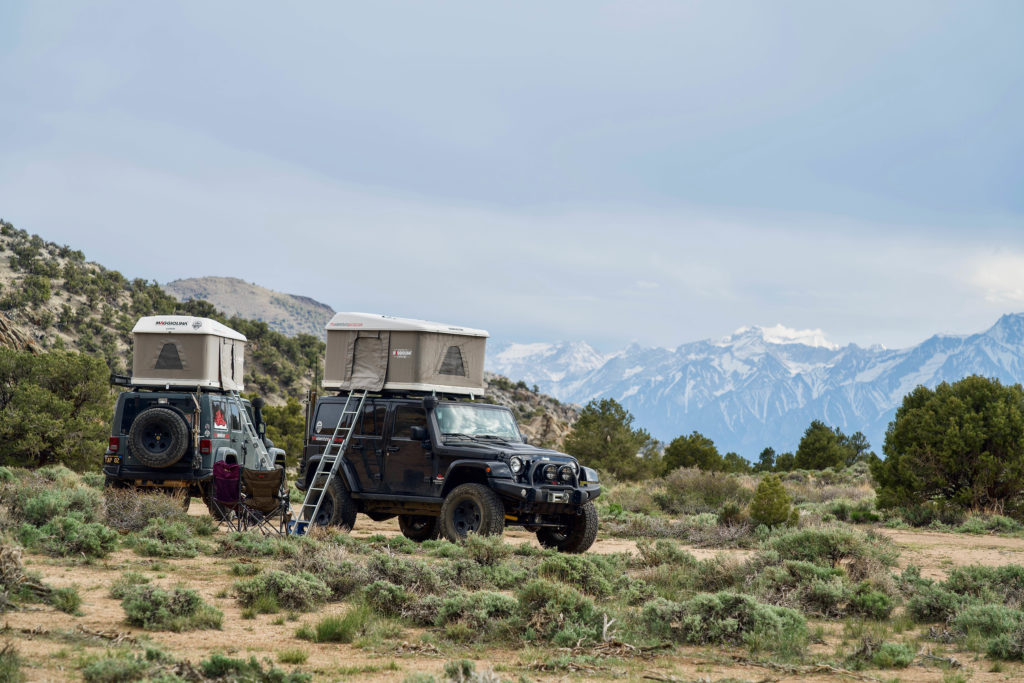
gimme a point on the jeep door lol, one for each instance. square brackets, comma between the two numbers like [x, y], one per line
[245, 459]
[366, 450]
[408, 467]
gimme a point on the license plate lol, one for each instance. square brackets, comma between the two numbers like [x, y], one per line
[111, 459]
[558, 497]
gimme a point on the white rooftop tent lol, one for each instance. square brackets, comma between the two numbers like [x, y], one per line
[180, 350]
[375, 352]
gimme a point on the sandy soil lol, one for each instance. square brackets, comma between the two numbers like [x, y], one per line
[54, 643]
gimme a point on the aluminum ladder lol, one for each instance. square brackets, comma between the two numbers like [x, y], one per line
[328, 464]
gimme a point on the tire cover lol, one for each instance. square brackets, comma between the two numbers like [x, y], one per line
[158, 437]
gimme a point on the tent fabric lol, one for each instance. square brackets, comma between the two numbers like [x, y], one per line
[207, 356]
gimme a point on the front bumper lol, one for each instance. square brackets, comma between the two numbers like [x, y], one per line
[545, 499]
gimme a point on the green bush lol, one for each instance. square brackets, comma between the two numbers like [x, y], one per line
[386, 598]
[129, 509]
[39, 506]
[333, 629]
[222, 667]
[10, 664]
[558, 613]
[893, 656]
[255, 544]
[487, 550]
[1003, 584]
[690, 491]
[166, 538]
[179, 609]
[67, 536]
[771, 504]
[873, 604]
[931, 603]
[663, 552]
[727, 618]
[124, 583]
[481, 615]
[299, 591]
[804, 586]
[831, 545]
[66, 599]
[116, 669]
[582, 571]
[1009, 645]
[411, 573]
[988, 620]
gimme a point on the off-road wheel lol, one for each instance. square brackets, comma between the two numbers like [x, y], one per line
[419, 528]
[337, 508]
[158, 437]
[471, 508]
[576, 536]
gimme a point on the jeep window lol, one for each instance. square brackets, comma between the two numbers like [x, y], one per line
[236, 420]
[407, 417]
[220, 413]
[477, 421]
[327, 418]
[372, 423]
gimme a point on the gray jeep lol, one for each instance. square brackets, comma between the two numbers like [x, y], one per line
[168, 439]
[449, 468]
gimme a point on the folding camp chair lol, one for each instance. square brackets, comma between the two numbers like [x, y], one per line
[223, 503]
[265, 504]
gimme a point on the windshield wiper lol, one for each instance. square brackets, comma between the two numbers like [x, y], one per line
[457, 435]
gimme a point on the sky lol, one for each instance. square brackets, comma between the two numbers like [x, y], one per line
[615, 172]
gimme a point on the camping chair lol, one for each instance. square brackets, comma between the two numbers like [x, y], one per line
[226, 494]
[265, 504]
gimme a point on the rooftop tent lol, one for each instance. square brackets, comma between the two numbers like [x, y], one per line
[179, 350]
[375, 352]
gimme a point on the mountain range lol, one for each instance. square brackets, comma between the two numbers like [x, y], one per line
[762, 386]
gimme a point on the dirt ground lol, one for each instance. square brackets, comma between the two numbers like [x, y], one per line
[54, 644]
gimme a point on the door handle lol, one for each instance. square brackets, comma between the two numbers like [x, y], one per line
[393, 449]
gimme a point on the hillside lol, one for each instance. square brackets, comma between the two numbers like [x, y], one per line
[287, 313]
[52, 297]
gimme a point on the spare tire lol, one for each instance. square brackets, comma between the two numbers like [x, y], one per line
[158, 437]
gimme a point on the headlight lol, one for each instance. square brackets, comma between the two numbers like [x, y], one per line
[565, 473]
[551, 472]
[515, 464]
[575, 467]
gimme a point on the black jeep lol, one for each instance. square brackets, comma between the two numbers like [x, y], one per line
[168, 440]
[448, 467]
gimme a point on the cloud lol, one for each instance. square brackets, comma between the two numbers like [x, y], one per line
[1000, 278]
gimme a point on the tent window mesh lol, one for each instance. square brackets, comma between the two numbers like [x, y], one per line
[168, 358]
[452, 363]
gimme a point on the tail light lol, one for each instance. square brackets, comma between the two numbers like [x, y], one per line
[205, 446]
[113, 444]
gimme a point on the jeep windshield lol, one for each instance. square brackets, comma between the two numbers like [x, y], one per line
[475, 422]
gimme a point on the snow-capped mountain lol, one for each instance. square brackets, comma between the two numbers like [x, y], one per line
[762, 386]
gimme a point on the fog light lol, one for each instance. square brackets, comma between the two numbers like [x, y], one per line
[565, 473]
[550, 472]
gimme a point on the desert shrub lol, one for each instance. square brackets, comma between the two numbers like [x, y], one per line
[94, 480]
[464, 574]
[893, 656]
[582, 571]
[116, 669]
[482, 615]
[297, 591]
[506, 575]
[178, 609]
[1009, 645]
[690, 491]
[292, 655]
[37, 506]
[66, 599]
[867, 602]
[444, 548]
[411, 573]
[66, 536]
[487, 550]
[731, 514]
[859, 512]
[803, 585]
[988, 620]
[332, 564]
[423, 612]
[832, 545]
[125, 582]
[222, 667]
[726, 618]
[931, 603]
[558, 613]
[128, 509]
[663, 552]
[166, 538]
[386, 598]
[633, 498]
[771, 504]
[10, 664]
[1003, 584]
[333, 629]
[255, 544]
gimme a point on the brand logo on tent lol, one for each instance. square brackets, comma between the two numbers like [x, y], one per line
[402, 353]
[173, 323]
[197, 324]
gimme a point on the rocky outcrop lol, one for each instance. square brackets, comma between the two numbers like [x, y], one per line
[14, 337]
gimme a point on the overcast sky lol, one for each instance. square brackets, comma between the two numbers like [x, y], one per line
[656, 172]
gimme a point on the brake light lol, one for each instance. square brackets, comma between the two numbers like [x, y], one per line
[113, 444]
[205, 446]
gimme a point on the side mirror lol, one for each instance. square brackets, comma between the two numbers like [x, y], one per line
[526, 439]
[418, 433]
